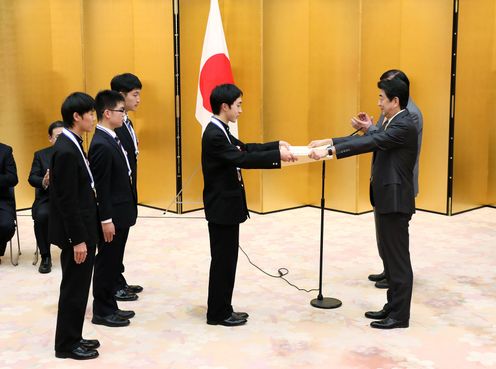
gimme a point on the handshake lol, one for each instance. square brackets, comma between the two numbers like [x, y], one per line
[319, 148]
[286, 154]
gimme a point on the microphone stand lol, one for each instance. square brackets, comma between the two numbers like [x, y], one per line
[323, 302]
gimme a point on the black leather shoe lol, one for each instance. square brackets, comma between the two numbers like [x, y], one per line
[123, 295]
[45, 265]
[389, 323]
[240, 314]
[113, 320]
[90, 344]
[381, 314]
[231, 321]
[79, 353]
[377, 277]
[133, 288]
[383, 283]
[125, 314]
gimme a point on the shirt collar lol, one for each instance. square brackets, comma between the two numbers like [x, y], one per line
[389, 120]
[78, 137]
[105, 129]
[220, 121]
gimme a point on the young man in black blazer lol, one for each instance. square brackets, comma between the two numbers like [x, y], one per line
[116, 207]
[8, 180]
[73, 226]
[392, 195]
[129, 86]
[39, 178]
[224, 196]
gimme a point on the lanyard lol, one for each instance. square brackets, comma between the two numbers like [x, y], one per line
[115, 138]
[221, 126]
[71, 137]
[133, 135]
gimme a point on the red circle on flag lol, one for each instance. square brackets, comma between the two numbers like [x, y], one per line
[215, 71]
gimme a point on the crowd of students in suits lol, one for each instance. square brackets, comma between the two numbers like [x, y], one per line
[88, 202]
[84, 203]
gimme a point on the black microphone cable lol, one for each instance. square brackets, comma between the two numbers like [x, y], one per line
[281, 271]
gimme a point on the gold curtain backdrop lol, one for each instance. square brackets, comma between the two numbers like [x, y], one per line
[305, 67]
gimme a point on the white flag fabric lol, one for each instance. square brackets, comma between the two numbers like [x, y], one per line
[215, 67]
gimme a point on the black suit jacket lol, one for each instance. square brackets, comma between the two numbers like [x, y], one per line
[116, 196]
[41, 162]
[73, 210]
[8, 179]
[127, 142]
[395, 152]
[224, 195]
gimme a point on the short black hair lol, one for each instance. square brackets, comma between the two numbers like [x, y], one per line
[77, 102]
[396, 73]
[106, 99]
[224, 94]
[125, 82]
[56, 124]
[395, 88]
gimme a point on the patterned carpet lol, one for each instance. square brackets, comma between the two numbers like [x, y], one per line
[453, 320]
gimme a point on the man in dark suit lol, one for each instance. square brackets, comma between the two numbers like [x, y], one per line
[367, 127]
[39, 178]
[8, 180]
[392, 194]
[129, 86]
[73, 226]
[116, 207]
[224, 197]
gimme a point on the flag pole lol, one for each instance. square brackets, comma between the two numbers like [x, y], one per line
[177, 108]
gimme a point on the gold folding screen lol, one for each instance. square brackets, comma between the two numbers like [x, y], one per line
[41, 62]
[50, 48]
[475, 146]
[136, 36]
[305, 66]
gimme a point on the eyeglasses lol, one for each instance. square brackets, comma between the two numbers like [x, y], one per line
[118, 110]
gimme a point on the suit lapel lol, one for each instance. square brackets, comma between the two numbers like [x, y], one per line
[112, 142]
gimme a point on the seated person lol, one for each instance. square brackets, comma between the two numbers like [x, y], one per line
[39, 178]
[8, 179]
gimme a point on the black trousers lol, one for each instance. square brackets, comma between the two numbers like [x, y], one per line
[107, 270]
[40, 217]
[393, 240]
[224, 243]
[7, 229]
[74, 290]
[121, 280]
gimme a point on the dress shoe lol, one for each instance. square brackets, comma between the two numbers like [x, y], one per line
[45, 265]
[79, 353]
[240, 314]
[231, 321]
[127, 314]
[389, 323]
[112, 320]
[381, 314]
[383, 283]
[377, 277]
[90, 344]
[133, 288]
[123, 295]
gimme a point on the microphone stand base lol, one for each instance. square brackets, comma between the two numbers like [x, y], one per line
[326, 303]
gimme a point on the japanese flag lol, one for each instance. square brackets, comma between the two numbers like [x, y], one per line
[215, 67]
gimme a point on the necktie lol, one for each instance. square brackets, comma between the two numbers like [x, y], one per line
[384, 124]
